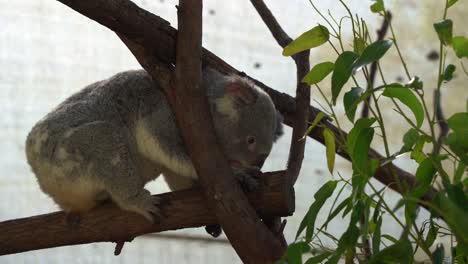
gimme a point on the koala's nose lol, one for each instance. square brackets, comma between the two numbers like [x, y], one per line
[260, 160]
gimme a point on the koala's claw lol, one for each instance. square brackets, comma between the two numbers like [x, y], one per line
[249, 178]
[147, 206]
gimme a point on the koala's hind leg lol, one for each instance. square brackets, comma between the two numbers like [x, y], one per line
[177, 182]
[111, 166]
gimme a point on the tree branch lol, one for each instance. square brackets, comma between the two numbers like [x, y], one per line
[190, 106]
[146, 29]
[297, 147]
[296, 152]
[107, 223]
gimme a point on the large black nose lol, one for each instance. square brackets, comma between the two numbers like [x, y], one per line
[260, 160]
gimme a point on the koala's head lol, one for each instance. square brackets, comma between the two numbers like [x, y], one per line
[244, 117]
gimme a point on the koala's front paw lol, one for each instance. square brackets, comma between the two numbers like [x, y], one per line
[249, 178]
[144, 204]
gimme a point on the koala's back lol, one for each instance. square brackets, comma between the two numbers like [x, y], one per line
[90, 134]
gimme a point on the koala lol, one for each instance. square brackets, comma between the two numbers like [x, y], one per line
[108, 140]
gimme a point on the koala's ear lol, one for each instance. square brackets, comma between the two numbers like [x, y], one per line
[240, 93]
[278, 132]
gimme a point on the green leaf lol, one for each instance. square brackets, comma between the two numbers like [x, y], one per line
[319, 258]
[378, 6]
[458, 145]
[400, 252]
[438, 255]
[390, 238]
[351, 100]
[460, 46]
[453, 214]
[310, 39]
[459, 123]
[295, 251]
[451, 3]
[372, 53]
[342, 72]
[339, 208]
[317, 119]
[360, 152]
[377, 236]
[444, 31]
[448, 73]
[330, 148]
[355, 131]
[409, 139]
[359, 44]
[318, 72]
[407, 97]
[459, 173]
[431, 235]
[321, 197]
[425, 172]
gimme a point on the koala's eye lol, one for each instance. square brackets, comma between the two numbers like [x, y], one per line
[250, 140]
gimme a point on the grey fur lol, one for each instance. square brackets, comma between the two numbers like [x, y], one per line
[109, 139]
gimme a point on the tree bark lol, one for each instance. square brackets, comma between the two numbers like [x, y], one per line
[107, 223]
[189, 102]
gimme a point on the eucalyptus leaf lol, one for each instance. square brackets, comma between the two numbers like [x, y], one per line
[460, 46]
[444, 31]
[321, 196]
[459, 123]
[431, 235]
[318, 72]
[317, 119]
[438, 255]
[425, 171]
[295, 251]
[376, 238]
[372, 53]
[400, 252]
[355, 131]
[310, 39]
[342, 72]
[330, 148]
[409, 140]
[359, 44]
[407, 97]
[351, 100]
[360, 152]
[378, 6]
[451, 3]
[319, 258]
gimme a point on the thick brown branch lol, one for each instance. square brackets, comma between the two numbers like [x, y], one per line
[148, 28]
[182, 209]
[190, 105]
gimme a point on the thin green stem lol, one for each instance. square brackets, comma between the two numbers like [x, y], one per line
[323, 17]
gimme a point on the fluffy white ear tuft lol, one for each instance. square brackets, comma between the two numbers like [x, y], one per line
[240, 93]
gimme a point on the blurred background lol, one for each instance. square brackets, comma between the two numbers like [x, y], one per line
[48, 52]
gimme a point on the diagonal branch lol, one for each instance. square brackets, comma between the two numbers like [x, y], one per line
[108, 223]
[124, 17]
[296, 152]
